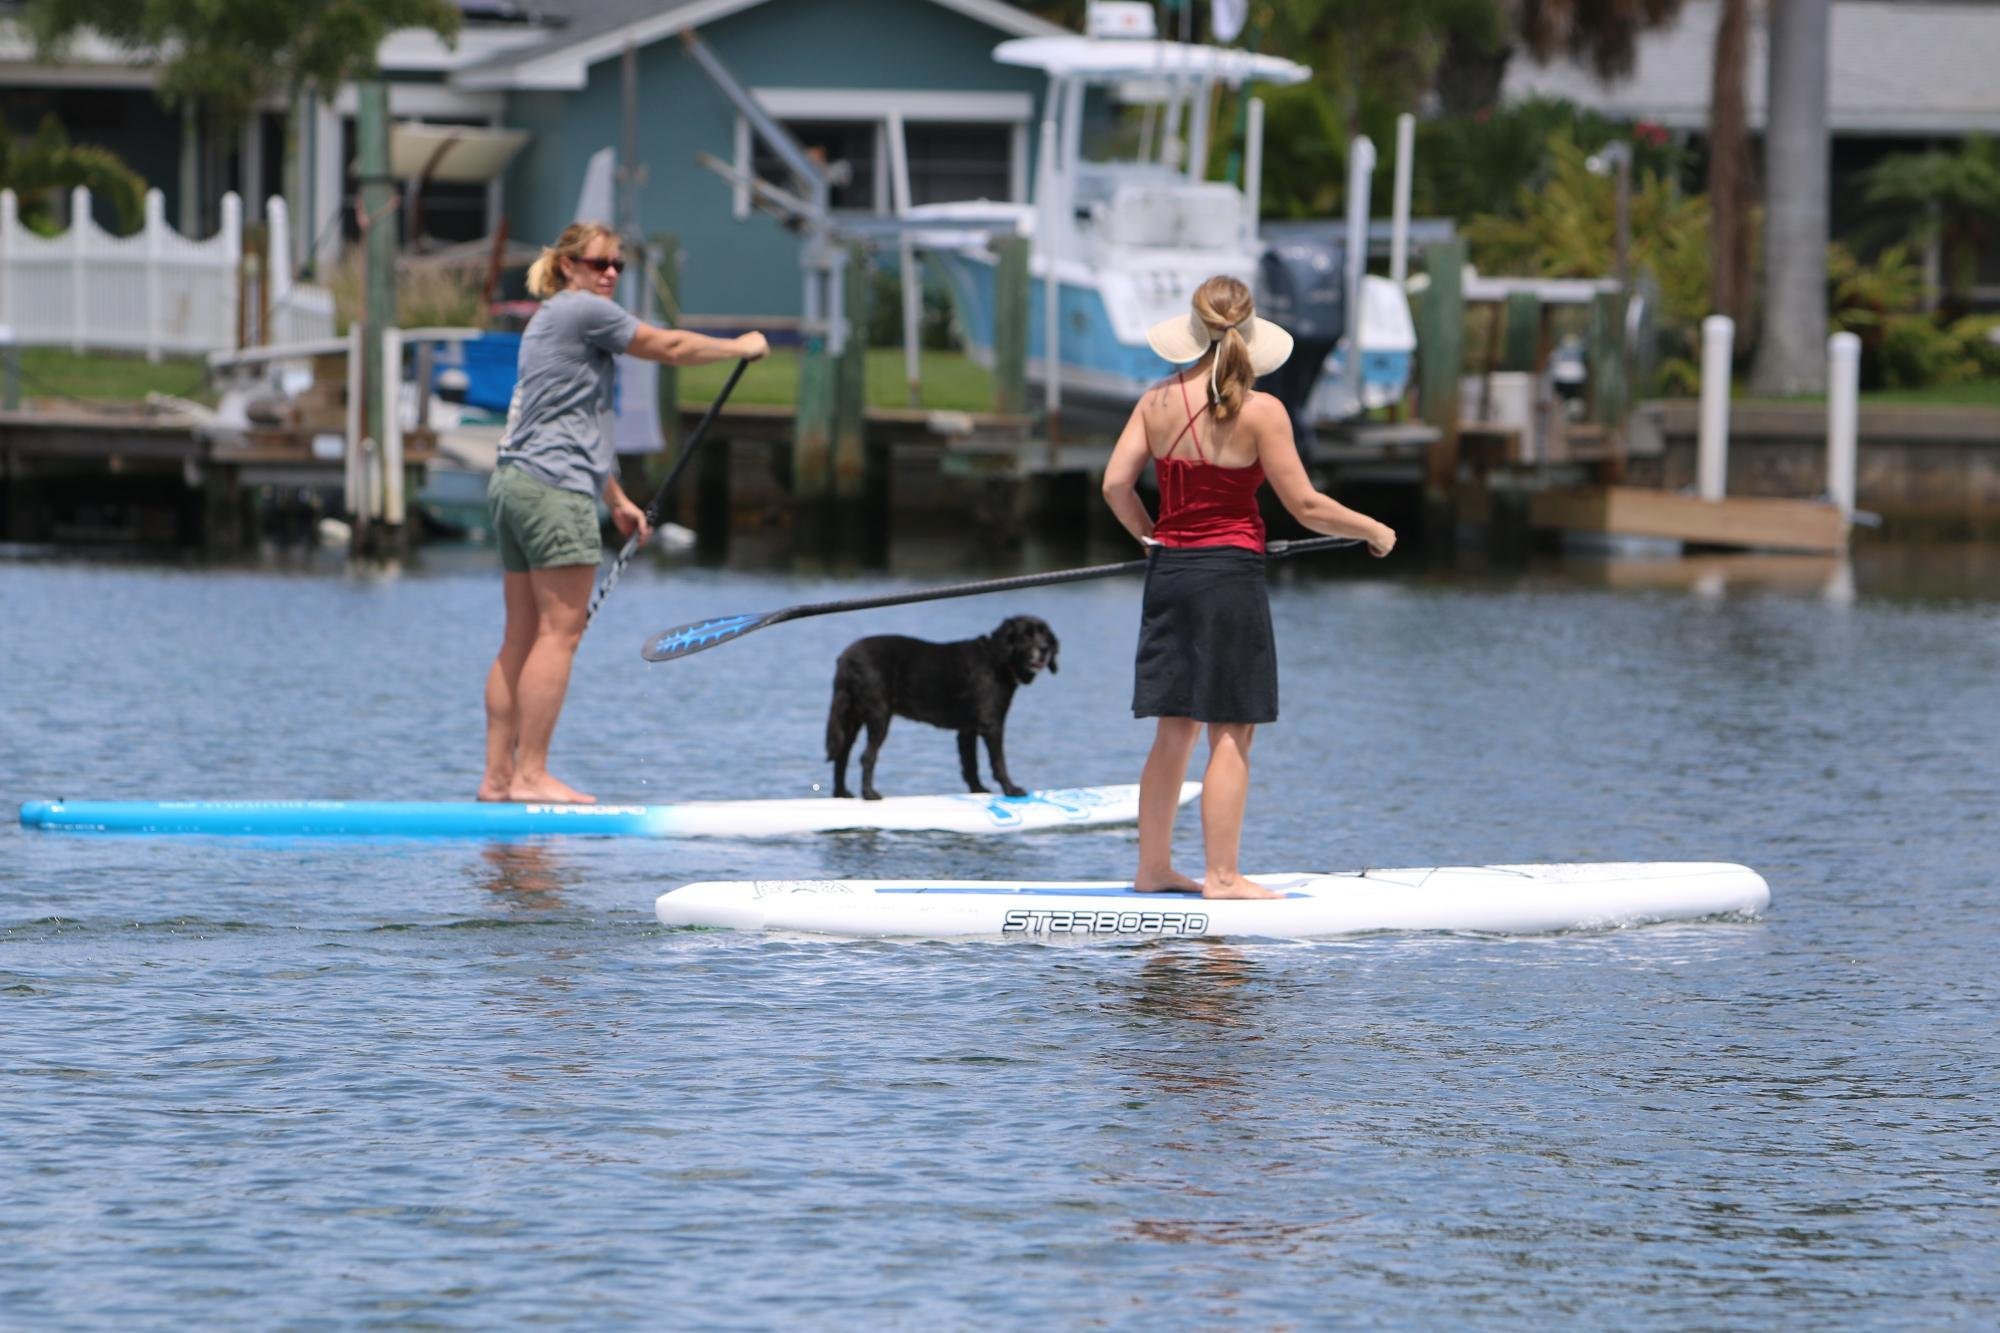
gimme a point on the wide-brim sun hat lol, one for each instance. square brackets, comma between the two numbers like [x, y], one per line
[1185, 338]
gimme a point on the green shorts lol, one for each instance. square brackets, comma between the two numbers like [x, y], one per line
[540, 526]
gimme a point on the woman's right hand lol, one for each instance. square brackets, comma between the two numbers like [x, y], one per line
[1383, 542]
[752, 346]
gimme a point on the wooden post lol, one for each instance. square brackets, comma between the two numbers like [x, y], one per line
[1010, 325]
[1520, 344]
[1607, 358]
[377, 198]
[812, 426]
[1440, 362]
[665, 256]
[850, 395]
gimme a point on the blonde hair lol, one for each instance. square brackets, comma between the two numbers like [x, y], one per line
[545, 275]
[1223, 303]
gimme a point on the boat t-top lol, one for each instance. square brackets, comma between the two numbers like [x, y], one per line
[1128, 238]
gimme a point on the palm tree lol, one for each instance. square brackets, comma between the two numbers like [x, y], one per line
[1602, 33]
[1791, 350]
[1730, 187]
[41, 170]
[1955, 197]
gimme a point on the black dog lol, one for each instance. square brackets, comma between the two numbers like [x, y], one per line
[964, 687]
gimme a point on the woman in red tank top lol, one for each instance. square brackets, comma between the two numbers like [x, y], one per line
[1206, 654]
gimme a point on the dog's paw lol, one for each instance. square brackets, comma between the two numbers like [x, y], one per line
[870, 794]
[1013, 790]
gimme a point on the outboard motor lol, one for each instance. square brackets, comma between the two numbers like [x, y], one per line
[1302, 286]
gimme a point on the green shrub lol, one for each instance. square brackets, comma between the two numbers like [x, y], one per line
[1916, 353]
[1974, 334]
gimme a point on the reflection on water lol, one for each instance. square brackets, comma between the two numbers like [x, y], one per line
[529, 875]
[1200, 982]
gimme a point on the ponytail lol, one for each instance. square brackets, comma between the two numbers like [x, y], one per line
[1223, 303]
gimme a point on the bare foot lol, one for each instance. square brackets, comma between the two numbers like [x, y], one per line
[1171, 882]
[494, 789]
[1235, 886]
[547, 790]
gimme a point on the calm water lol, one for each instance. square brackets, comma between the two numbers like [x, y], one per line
[466, 1086]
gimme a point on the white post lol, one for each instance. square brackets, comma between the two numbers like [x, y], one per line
[1045, 241]
[232, 256]
[355, 478]
[912, 280]
[1360, 166]
[1843, 394]
[79, 218]
[1253, 171]
[392, 427]
[278, 258]
[1201, 111]
[1399, 226]
[155, 234]
[1711, 462]
[9, 225]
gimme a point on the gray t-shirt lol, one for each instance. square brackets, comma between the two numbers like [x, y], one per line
[559, 422]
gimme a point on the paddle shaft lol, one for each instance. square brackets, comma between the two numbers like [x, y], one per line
[673, 643]
[657, 508]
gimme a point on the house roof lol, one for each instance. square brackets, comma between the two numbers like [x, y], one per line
[603, 28]
[1897, 67]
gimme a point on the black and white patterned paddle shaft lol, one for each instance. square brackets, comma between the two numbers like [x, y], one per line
[657, 509]
[686, 640]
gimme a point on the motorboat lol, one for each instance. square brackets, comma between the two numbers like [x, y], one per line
[1119, 243]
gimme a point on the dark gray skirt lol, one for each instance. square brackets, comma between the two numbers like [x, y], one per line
[1205, 644]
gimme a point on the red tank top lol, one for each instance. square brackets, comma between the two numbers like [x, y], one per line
[1203, 503]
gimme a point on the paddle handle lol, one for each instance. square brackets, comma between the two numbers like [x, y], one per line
[657, 508]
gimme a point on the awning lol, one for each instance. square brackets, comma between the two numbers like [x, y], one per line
[458, 154]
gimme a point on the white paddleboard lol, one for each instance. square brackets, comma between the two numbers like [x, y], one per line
[1510, 900]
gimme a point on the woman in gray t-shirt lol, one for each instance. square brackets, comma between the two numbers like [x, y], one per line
[556, 459]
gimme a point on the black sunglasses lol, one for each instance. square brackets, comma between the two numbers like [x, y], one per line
[603, 265]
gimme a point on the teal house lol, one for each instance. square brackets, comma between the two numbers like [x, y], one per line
[866, 86]
[884, 91]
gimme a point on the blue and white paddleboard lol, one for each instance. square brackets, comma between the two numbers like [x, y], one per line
[1509, 900]
[1065, 807]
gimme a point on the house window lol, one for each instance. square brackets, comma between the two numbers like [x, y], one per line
[951, 145]
[954, 161]
[832, 142]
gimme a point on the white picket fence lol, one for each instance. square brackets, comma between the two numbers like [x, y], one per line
[155, 291]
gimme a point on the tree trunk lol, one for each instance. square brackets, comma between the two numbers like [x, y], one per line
[1791, 353]
[1729, 171]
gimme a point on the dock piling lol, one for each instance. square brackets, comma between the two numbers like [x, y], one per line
[1718, 333]
[1843, 416]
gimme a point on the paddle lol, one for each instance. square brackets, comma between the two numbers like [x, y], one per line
[685, 640]
[657, 508]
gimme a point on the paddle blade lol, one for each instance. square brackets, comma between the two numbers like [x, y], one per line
[686, 640]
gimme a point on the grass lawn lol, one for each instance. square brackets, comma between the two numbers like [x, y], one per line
[1980, 393]
[49, 372]
[1971, 393]
[951, 382]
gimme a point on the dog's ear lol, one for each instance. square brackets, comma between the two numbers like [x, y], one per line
[1055, 646]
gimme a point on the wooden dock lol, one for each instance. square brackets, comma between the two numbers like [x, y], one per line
[130, 474]
[1752, 523]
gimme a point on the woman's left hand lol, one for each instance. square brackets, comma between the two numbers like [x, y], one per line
[629, 518]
